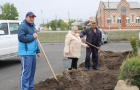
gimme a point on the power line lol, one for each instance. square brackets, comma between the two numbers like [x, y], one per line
[42, 18]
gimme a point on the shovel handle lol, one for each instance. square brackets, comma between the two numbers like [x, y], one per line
[96, 47]
[46, 59]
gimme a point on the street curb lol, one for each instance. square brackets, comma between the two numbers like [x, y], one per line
[119, 41]
[52, 42]
[108, 42]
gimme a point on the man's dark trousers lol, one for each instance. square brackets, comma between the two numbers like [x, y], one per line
[94, 57]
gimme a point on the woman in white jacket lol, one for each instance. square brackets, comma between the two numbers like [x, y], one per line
[72, 47]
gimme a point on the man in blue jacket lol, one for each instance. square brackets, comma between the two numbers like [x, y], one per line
[27, 50]
[94, 37]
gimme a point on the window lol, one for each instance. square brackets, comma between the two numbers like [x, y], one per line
[100, 10]
[109, 21]
[119, 20]
[137, 20]
[4, 28]
[127, 20]
[13, 28]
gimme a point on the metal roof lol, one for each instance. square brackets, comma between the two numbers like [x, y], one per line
[114, 5]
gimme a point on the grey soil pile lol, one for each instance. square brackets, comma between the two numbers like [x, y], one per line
[103, 79]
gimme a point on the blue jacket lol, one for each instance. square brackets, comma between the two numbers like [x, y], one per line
[90, 34]
[27, 43]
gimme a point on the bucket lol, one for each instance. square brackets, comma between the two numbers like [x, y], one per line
[67, 62]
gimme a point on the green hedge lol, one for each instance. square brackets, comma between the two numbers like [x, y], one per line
[80, 28]
[130, 71]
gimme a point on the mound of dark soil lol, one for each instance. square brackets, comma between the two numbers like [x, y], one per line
[103, 79]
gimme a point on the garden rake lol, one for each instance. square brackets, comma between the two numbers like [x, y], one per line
[60, 85]
[100, 50]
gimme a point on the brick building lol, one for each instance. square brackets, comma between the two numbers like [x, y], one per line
[119, 15]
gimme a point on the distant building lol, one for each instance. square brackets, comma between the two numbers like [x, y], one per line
[80, 23]
[66, 22]
[119, 15]
[92, 18]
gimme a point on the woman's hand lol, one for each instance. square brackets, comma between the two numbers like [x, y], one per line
[87, 46]
[82, 39]
[66, 53]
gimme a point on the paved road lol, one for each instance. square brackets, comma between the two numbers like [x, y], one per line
[10, 69]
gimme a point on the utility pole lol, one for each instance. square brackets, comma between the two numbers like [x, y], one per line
[109, 14]
[56, 22]
[69, 19]
[43, 19]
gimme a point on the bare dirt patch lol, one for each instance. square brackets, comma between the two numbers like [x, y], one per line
[103, 79]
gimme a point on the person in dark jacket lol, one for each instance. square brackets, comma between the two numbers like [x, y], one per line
[27, 50]
[94, 37]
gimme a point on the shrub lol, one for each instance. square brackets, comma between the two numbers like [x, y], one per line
[139, 43]
[133, 42]
[130, 71]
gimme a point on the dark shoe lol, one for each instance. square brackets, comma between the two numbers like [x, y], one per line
[69, 68]
[86, 69]
[96, 68]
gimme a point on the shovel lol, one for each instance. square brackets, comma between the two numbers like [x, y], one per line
[60, 85]
[100, 50]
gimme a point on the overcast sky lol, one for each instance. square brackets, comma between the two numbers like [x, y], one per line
[78, 9]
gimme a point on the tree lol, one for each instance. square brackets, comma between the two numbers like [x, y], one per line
[97, 18]
[53, 24]
[87, 22]
[63, 26]
[8, 12]
[47, 25]
[59, 22]
[71, 21]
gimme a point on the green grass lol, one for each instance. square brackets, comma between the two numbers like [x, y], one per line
[52, 36]
[112, 36]
[122, 35]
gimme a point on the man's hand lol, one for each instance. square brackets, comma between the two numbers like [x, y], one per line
[38, 55]
[35, 35]
[82, 39]
[98, 48]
